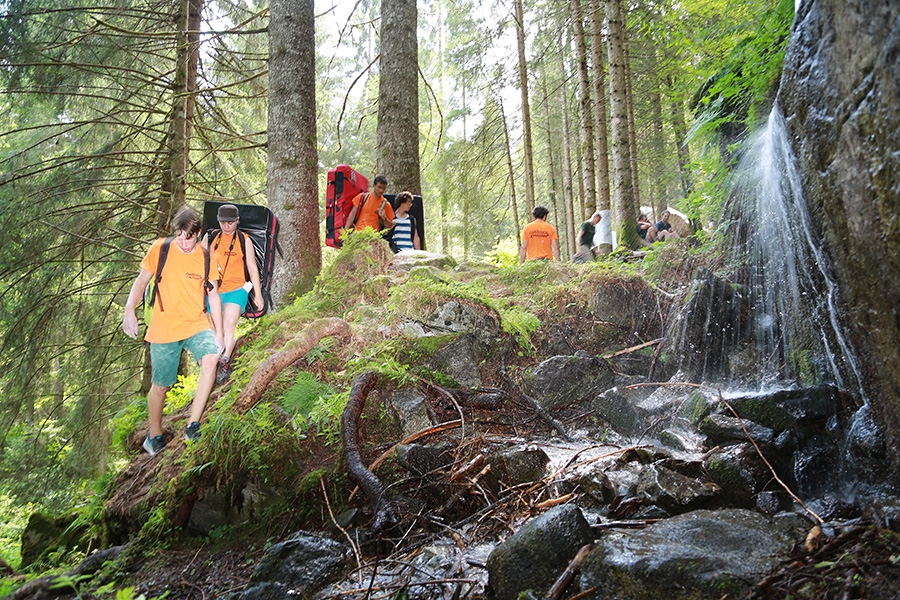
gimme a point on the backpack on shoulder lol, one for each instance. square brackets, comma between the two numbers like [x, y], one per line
[260, 225]
[152, 294]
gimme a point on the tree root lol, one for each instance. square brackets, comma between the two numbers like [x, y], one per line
[292, 351]
[386, 516]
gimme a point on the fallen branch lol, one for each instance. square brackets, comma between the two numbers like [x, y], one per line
[293, 350]
[632, 349]
[386, 516]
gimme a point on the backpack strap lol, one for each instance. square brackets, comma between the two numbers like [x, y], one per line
[359, 212]
[163, 255]
[207, 286]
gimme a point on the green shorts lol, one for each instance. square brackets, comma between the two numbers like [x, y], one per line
[164, 358]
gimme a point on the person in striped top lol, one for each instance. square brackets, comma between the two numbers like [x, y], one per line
[406, 235]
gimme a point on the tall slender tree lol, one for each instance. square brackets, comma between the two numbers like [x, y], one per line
[528, 146]
[293, 155]
[585, 113]
[625, 210]
[601, 147]
[398, 97]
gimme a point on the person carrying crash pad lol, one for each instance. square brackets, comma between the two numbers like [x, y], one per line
[179, 269]
[371, 209]
[237, 275]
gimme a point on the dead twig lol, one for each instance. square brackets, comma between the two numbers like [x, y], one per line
[631, 349]
[563, 580]
[341, 529]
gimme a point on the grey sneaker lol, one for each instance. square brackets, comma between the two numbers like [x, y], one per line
[192, 432]
[154, 444]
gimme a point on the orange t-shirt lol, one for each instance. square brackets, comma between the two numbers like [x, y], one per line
[180, 310]
[230, 260]
[539, 235]
[367, 216]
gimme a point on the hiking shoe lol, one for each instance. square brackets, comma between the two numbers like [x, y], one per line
[154, 444]
[223, 372]
[192, 432]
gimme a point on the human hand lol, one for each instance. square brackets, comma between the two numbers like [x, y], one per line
[130, 324]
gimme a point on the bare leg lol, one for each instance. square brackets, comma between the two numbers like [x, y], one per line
[156, 397]
[651, 233]
[204, 386]
[230, 315]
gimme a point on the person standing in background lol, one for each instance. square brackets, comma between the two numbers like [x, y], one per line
[539, 238]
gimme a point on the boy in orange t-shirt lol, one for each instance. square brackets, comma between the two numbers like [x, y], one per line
[179, 321]
[368, 206]
[539, 238]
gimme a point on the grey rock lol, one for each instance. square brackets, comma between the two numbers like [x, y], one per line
[722, 430]
[460, 360]
[616, 408]
[740, 472]
[515, 466]
[534, 556]
[407, 406]
[673, 491]
[423, 460]
[459, 317]
[303, 564]
[697, 555]
[562, 380]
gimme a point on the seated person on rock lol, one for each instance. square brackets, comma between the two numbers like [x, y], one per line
[646, 229]
[664, 229]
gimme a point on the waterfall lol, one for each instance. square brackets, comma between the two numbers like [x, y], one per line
[793, 297]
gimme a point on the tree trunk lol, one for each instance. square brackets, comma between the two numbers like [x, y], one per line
[293, 189]
[658, 143]
[632, 129]
[601, 148]
[526, 110]
[398, 97]
[680, 130]
[512, 175]
[184, 89]
[588, 173]
[624, 200]
[568, 199]
[554, 197]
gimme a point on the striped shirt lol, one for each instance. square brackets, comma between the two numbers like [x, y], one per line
[403, 235]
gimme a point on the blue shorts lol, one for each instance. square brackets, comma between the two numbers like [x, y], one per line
[164, 358]
[238, 296]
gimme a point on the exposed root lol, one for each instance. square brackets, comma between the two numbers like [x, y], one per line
[386, 516]
[293, 350]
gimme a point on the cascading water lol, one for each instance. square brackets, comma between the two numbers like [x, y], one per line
[793, 297]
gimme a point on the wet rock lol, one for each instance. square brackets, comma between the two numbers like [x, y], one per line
[299, 566]
[514, 466]
[682, 439]
[816, 467]
[407, 406]
[673, 491]
[616, 408]
[707, 327]
[423, 460]
[627, 304]
[769, 503]
[697, 407]
[563, 380]
[867, 448]
[740, 472]
[722, 430]
[533, 557]
[594, 482]
[697, 555]
[803, 410]
[459, 317]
